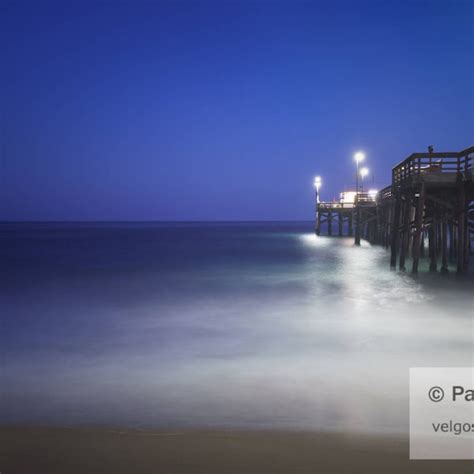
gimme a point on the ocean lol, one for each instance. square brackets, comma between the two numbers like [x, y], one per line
[217, 325]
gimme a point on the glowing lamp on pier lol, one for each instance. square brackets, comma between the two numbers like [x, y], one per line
[317, 185]
[363, 173]
[359, 157]
[317, 182]
[373, 194]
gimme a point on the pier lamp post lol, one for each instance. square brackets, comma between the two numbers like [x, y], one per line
[359, 157]
[363, 173]
[317, 185]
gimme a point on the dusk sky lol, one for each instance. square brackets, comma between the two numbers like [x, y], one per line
[221, 110]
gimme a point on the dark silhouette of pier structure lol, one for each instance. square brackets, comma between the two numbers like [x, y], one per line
[427, 211]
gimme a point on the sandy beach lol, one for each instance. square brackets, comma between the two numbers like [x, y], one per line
[40, 450]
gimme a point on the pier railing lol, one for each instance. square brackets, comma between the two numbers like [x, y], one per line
[336, 205]
[365, 199]
[423, 163]
[361, 199]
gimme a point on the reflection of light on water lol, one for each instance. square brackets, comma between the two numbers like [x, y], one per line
[369, 283]
[313, 240]
[358, 275]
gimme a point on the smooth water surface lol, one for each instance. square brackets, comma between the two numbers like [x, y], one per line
[217, 325]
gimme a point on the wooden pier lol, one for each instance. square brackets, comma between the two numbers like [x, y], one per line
[427, 211]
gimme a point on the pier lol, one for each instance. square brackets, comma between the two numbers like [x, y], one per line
[427, 211]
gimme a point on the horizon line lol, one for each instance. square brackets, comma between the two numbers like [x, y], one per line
[148, 221]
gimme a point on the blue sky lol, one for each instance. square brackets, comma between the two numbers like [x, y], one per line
[221, 110]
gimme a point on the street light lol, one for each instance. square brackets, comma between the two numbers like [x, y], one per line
[317, 185]
[363, 173]
[359, 157]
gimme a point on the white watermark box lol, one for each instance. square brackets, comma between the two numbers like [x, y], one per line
[442, 413]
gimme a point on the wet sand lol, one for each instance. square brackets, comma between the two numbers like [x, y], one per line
[98, 450]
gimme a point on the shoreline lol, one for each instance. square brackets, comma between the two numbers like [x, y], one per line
[102, 450]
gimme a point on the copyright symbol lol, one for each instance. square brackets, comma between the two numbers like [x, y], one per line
[436, 394]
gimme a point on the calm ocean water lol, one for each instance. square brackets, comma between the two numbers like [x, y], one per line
[206, 325]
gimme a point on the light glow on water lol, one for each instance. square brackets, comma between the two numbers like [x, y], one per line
[235, 328]
[313, 240]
